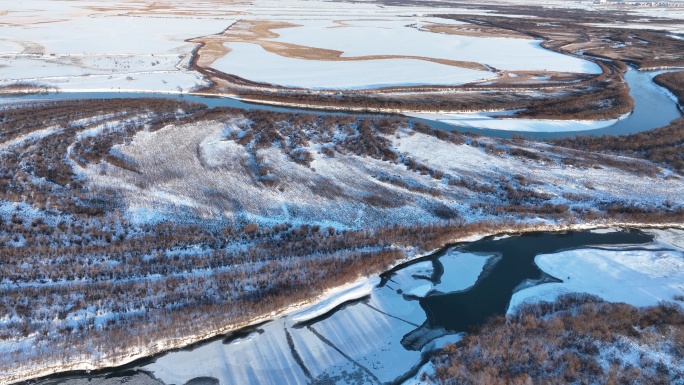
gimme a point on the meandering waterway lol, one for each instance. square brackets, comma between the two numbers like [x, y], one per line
[653, 108]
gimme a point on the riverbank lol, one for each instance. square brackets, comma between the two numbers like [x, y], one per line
[319, 305]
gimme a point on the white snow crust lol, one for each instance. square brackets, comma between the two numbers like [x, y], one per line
[356, 291]
[486, 121]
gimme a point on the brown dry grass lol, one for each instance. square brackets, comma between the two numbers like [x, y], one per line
[673, 81]
[562, 342]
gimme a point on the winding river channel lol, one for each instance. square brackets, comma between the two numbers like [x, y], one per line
[386, 334]
[653, 108]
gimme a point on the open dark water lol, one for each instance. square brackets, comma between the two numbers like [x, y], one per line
[491, 295]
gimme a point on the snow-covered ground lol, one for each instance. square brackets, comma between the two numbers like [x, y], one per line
[355, 291]
[220, 169]
[641, 277]
[95, 46]
[488, 122]
[396, 36]
[672, 27]
[141, 47]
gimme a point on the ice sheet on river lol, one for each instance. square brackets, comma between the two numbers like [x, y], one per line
[640, 277]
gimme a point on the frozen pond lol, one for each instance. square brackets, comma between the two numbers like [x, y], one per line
[386, 333]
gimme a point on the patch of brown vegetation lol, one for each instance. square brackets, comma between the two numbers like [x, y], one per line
[604, 99]
[25, 88]
[561, 342]
[534, 78]
[663, 145]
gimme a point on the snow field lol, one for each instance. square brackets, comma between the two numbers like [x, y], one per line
[395, 37]
[100, 50]
[607, 183]
[252, 62]
[372, 339]
[51, 31]
[118, 73]
[323, 10]
[107, 32]
[673, 237]
[319, 358]
[260, 359]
